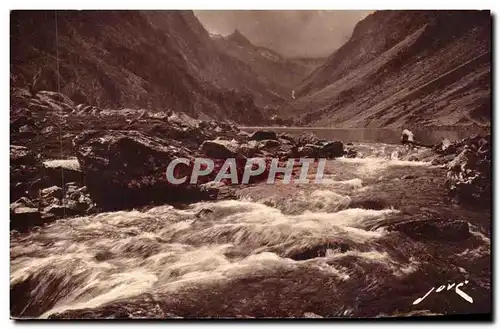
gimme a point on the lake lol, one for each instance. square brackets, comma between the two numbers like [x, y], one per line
[426, 135]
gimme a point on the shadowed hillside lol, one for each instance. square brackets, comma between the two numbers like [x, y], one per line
[403, 68]
[157, 60]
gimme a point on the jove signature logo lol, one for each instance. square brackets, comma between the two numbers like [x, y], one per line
[448, 287]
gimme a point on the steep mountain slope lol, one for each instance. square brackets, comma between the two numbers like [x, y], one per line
[280, 73]
[403, 68]
[154, 60]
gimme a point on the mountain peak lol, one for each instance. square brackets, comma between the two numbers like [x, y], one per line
[240, 39]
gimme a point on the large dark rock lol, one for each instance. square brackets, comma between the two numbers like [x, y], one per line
[332, 149]
[22, 202]
[309, 151]
[269, 144]
[260, 135]
[23, 218]
[445, 147]
[26, 174]
[63, 171]
[125, 169]
[430, 229]
[469, 174]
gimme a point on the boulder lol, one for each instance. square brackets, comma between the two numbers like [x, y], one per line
[22, 202]
[309, 151]
[269, 144]
[431, 229]
[220, 149]
[126, 169]
[260, 135]
[52, 192]
[46, 202]
[332, 149]
[249, 149]
[23, 218]
[62, 171]
[350, 152]
[20, 155]
[26, 174]
[445, 147]
[27, 131]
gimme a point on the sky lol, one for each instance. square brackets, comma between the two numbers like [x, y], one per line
[292, 33]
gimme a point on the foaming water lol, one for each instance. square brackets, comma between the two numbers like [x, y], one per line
[89, 261]
[370, 166]
[314, 232]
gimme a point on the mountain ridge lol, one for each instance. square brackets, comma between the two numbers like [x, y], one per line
[154, 60]
[371, 80]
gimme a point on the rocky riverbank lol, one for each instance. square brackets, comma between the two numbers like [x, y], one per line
[72, 159]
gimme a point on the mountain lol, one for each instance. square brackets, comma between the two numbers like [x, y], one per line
[406, 68]
[280, 73]
[148, 59]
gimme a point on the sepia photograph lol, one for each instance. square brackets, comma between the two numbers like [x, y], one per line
[250, 164]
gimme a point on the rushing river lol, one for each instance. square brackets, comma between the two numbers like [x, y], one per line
[278, 251]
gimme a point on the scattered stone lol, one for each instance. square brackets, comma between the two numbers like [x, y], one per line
[350, 152]
[249, 149]
[52, 192]
[20, 155]
[47, 130]
[468, 179]
[50, 202]
[67, 210]
[307, 138]
[27, 131]
[26, 176]
[220, 149]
